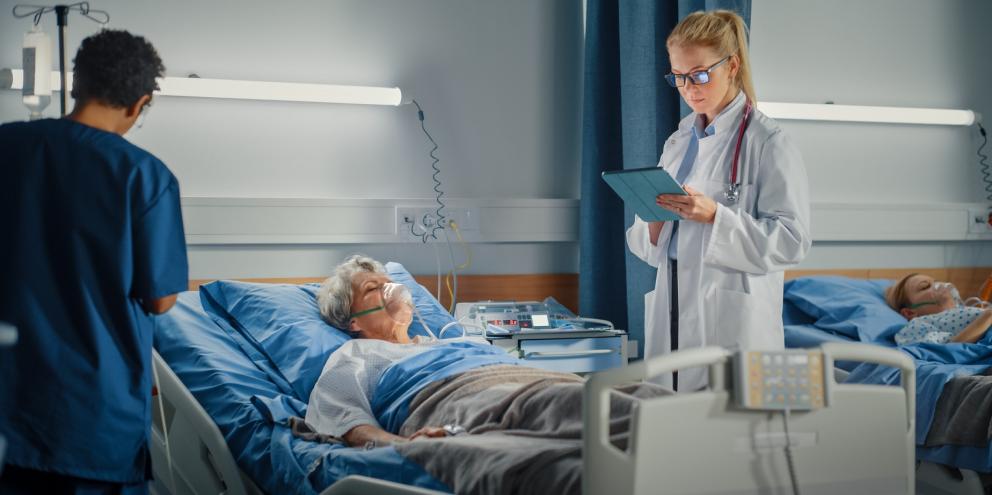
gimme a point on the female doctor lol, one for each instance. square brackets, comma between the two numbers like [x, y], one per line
[745, 218]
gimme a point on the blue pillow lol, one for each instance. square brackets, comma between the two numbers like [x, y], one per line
[283, 331]
[846, 306]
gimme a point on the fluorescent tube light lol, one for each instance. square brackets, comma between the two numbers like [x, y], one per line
[193, 87]
[857, 113]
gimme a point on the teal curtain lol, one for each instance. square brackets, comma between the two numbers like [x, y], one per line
[628, 112]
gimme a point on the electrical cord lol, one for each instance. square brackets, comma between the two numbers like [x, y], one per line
[983, 163]
[437, 261]
[439, 223]
[40, 10]
[453, 274]
[788, 454]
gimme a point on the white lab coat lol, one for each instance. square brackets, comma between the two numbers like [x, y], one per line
[730, 272]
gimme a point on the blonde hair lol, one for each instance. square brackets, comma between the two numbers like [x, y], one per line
[723, 31]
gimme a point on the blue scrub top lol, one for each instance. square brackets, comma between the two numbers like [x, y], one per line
[90, 225]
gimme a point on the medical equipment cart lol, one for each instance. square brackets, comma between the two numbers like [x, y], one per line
[534, 333]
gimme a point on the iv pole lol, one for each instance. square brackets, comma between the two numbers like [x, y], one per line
[62, 15]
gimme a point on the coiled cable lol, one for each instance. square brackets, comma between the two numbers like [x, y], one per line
[439, 218]
[984, 164]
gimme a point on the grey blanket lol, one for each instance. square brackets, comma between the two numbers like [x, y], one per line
[524, 429]
[964, 413]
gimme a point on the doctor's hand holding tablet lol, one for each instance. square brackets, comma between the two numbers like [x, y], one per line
[721, 241]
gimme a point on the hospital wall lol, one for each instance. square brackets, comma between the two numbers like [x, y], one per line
[884, 195]
[286, 189]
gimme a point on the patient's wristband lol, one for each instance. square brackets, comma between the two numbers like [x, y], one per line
[370, 445]
[453, 430]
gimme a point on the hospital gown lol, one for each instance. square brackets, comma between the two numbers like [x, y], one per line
[340, 399]
[938, 328]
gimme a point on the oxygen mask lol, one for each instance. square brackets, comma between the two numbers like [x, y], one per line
[397, 303]
[940, 293]
[947, 290]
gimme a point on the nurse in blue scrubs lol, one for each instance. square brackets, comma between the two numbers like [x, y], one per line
[91, 248]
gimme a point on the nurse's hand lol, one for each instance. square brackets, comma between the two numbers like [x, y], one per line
[695, 207]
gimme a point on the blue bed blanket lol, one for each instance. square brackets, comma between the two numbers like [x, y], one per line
[936, 364]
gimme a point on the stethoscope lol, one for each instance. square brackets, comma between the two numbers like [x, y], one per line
[733, 192]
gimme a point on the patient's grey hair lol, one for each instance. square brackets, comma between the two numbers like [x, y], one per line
[334, 297]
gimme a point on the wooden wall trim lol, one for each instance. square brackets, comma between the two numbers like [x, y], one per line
[565, 286]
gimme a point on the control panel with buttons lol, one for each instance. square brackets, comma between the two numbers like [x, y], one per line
[791, 379]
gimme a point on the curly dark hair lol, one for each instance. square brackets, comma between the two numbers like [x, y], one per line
[115, 68]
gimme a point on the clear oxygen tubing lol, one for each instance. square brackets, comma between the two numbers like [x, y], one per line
[605, 323]
[420, 318]
[977, 302]
[464, 324]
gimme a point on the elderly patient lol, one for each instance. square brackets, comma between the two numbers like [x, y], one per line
[935, 312]
[523, 424]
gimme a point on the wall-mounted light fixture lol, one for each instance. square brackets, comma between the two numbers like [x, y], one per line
[195, 87]
[858, 113]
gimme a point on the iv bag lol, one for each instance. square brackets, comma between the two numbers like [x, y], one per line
[37, 62]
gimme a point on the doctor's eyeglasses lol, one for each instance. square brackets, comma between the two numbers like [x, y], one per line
[698, 77]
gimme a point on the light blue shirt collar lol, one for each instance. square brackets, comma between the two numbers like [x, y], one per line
[724, 120]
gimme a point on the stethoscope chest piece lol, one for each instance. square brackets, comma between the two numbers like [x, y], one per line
[733, 193]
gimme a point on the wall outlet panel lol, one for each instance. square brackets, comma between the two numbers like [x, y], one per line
[412, 222]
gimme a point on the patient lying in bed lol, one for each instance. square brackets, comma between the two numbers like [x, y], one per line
[384, 388]
[935, 314]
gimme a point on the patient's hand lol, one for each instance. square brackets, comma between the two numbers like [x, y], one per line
[370, 436]
[430, 432]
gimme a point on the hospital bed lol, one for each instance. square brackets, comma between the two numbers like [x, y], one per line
[221, 408]
[821, 309]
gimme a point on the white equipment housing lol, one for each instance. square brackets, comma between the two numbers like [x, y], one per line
[696, 443]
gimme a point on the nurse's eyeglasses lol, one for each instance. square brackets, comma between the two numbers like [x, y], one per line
[144, 114]
[698, 77]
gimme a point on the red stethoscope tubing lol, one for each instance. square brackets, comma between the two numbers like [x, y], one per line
[732, 191]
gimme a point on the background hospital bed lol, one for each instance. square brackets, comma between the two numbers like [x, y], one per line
[949, 476]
